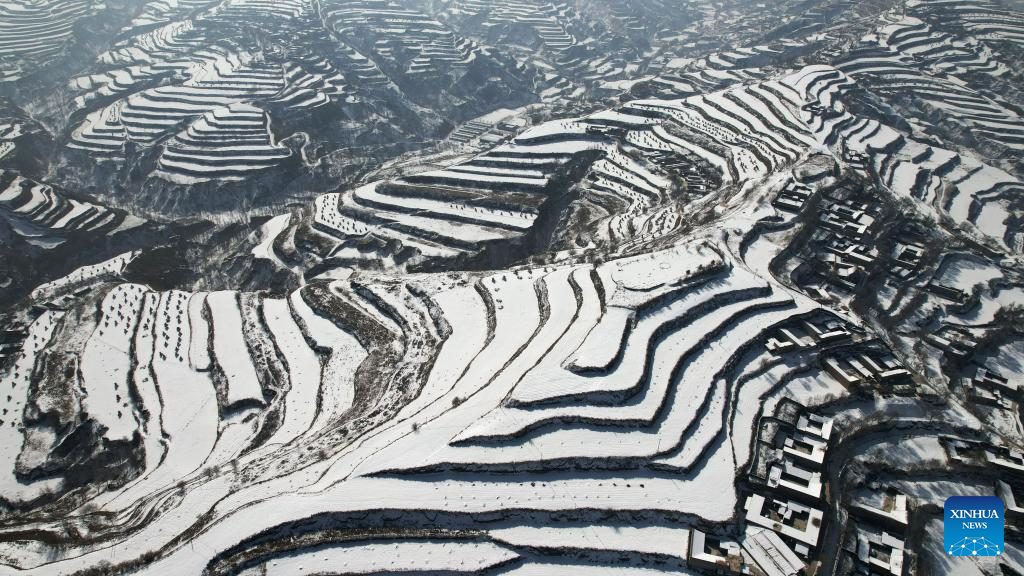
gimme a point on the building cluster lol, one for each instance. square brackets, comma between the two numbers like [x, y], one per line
[869, 367]
[906, 259]
[979, 454]
[792, 197]
[785, 505]
[808, 334]
[844, 352]
[486, 132]
[876, 542]
[957, 342]
[951, 293]
[845, 230]
[843, 235]
[990, 389]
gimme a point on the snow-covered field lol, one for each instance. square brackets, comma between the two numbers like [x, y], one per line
[567, 353]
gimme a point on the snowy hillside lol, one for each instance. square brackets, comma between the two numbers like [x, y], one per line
[518, 288]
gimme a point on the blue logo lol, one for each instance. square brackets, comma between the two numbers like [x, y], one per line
[973, 526]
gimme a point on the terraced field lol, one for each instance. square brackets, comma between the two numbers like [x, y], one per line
[217, 93]
[33, 33]
[39, 213]
[960, 186]
[529, 288]
[483, 350]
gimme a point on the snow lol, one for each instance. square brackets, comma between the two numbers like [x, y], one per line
[15, 383]
[602, 343]
[666, 541]
[530, 410]
[814, 390]
[142, 379]
[1008, 360]
[230, 351]
[189, 404]
[336, 392]
[456, 496]
[452, 177]
[497, 115]
[629, 371]
[186, 403]
[107, 362]
[268, 233]
[106, 269]
[964, 271]
[199, 330]
[751, 402]
[563, 569]
[303, 371]
[480, 370]
[403, 556]
[650, 271]
[908, 452]
[978, 182]
[547, 371]
[520, 220]
[714, 159]
[671, 414]
[993, 217]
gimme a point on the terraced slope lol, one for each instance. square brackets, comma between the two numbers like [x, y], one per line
[967, 190]
[186, 80]
[886, 74]
[33, 33]
[941, 51]
[991, 22]
[226, 143]
[151, 115]
[320, 366]
[626, 163]
[640, 278]
[405, 43]
[38, 211]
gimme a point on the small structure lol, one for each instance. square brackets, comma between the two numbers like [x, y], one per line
[792, 197]
[848, 218]
[851, 369]
[990, 380]
[807, 334]
[770, 553]
[853, 252]
[979, 454]
[828, 331]
[794, 522]
[892, 512]
[815, 425]
[879, 551]
[791, 479]
[785, 340]
[841, 271]
[906, 259]
[805, 448]
[986, 396]
[954, 341]
[712, 553]
[818, 293]
[950, 293]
